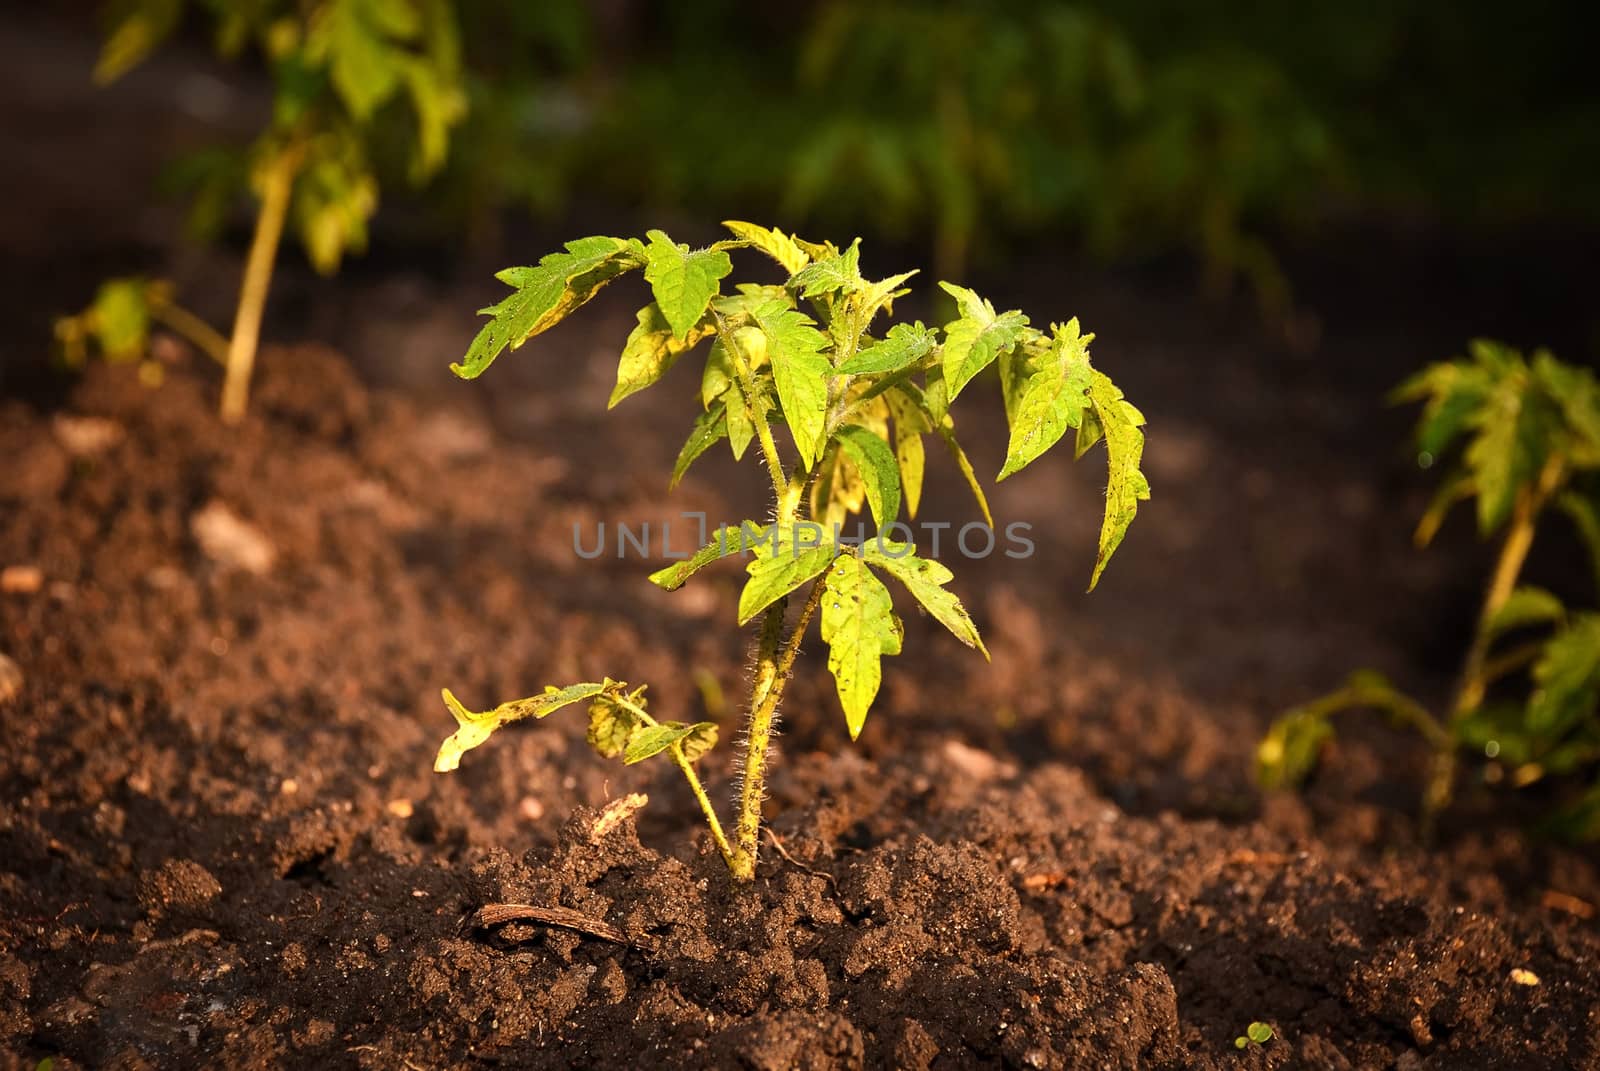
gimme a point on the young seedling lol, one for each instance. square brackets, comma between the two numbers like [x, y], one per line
[856, 406]
[1532, 430]
[1257, 1033]
[335, 65]
[119, 322]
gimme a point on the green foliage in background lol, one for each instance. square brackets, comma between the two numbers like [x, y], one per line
[1522, 437]
[336, 66]
[857, 406]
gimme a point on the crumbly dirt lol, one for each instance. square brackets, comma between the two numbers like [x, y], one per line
[221, 843]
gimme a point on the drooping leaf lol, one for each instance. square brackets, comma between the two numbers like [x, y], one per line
[1051, 398]
[709, 428]
[976, 339]
[362, 43]
[909, 426]
[904, 346]
[1289, 752]
[1526, 605]
[684, 281]
[1126, 485]
[860, 627]
[925, 580]
[948, 434]
[725, 541]
[654, 739]
[333, 198]
[1456, 488]
[838, 490]
[800, 372]
[777, 245]
[474, 729]
[611, 726]
[651, 350]
[879, 470]
[546, 294]
[1566, 677]
[790, 560]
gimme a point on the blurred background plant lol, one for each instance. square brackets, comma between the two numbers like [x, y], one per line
[336, 66]
[1133, 131]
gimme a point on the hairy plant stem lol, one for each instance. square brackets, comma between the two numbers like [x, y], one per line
[277, 184]
[773, 667]
[1477, 670]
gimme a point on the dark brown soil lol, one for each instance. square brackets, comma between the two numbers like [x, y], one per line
[221, 844]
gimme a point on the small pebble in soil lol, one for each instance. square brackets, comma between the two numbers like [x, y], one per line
[178, 883]
[86, 436]
[1523, 976]
[229, 541]
[10, 678]
[400, 808]
[21, 579]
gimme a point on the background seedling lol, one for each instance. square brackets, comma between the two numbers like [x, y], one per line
[1257, 1033]
[856, 407]
[336, 65]
[1532, 441]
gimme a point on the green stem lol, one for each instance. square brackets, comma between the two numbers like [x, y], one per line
[763, 713]
[277, 185]
[194, 330]
[694, 783]
[1476, 672]
[769, 447]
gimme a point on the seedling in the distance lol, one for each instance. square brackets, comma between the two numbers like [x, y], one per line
[1533, 443]
[856, 405]
[119, 321]
[335, 65]
[1257, 1033]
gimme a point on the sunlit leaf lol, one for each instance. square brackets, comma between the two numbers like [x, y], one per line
[879, 470]
[1051, 398]
[684, 281]
[925, 579]
[860, 627]
[474, 729]
[1126, 485]
[651, 350]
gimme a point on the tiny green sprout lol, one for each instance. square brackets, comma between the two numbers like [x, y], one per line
[1532, 445]
[335, 65]
[1257, 1032]
[855, 405]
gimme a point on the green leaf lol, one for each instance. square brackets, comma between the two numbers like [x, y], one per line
[1453, 392]
[476, 728]
[727, 540]
[1505, 453]
[654, 739]
[1260, 1033]
[777, 245]
[651, 350]
[611, 726]
[831, 275]
[974, 341]
[142, 28]
[800, 371]
[1527, 605]
[925, 579]
[360, 40]
[709, 428]
[880, 295]
[860, 627]
[879, 470]
[905, 345]
[1126, 486]
[334, 197]
[1458, 488]
[120, 318]
[1566, 677]
[439, 103]
[1051, 399]
[546, 295]
[909, 426]
[783, 565]
[1289, 752]
[684, 282]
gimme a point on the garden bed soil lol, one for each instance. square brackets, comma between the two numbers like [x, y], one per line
[221, 843]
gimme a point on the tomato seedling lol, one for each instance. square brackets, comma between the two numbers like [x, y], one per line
[856, 407]
[1532, 442]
